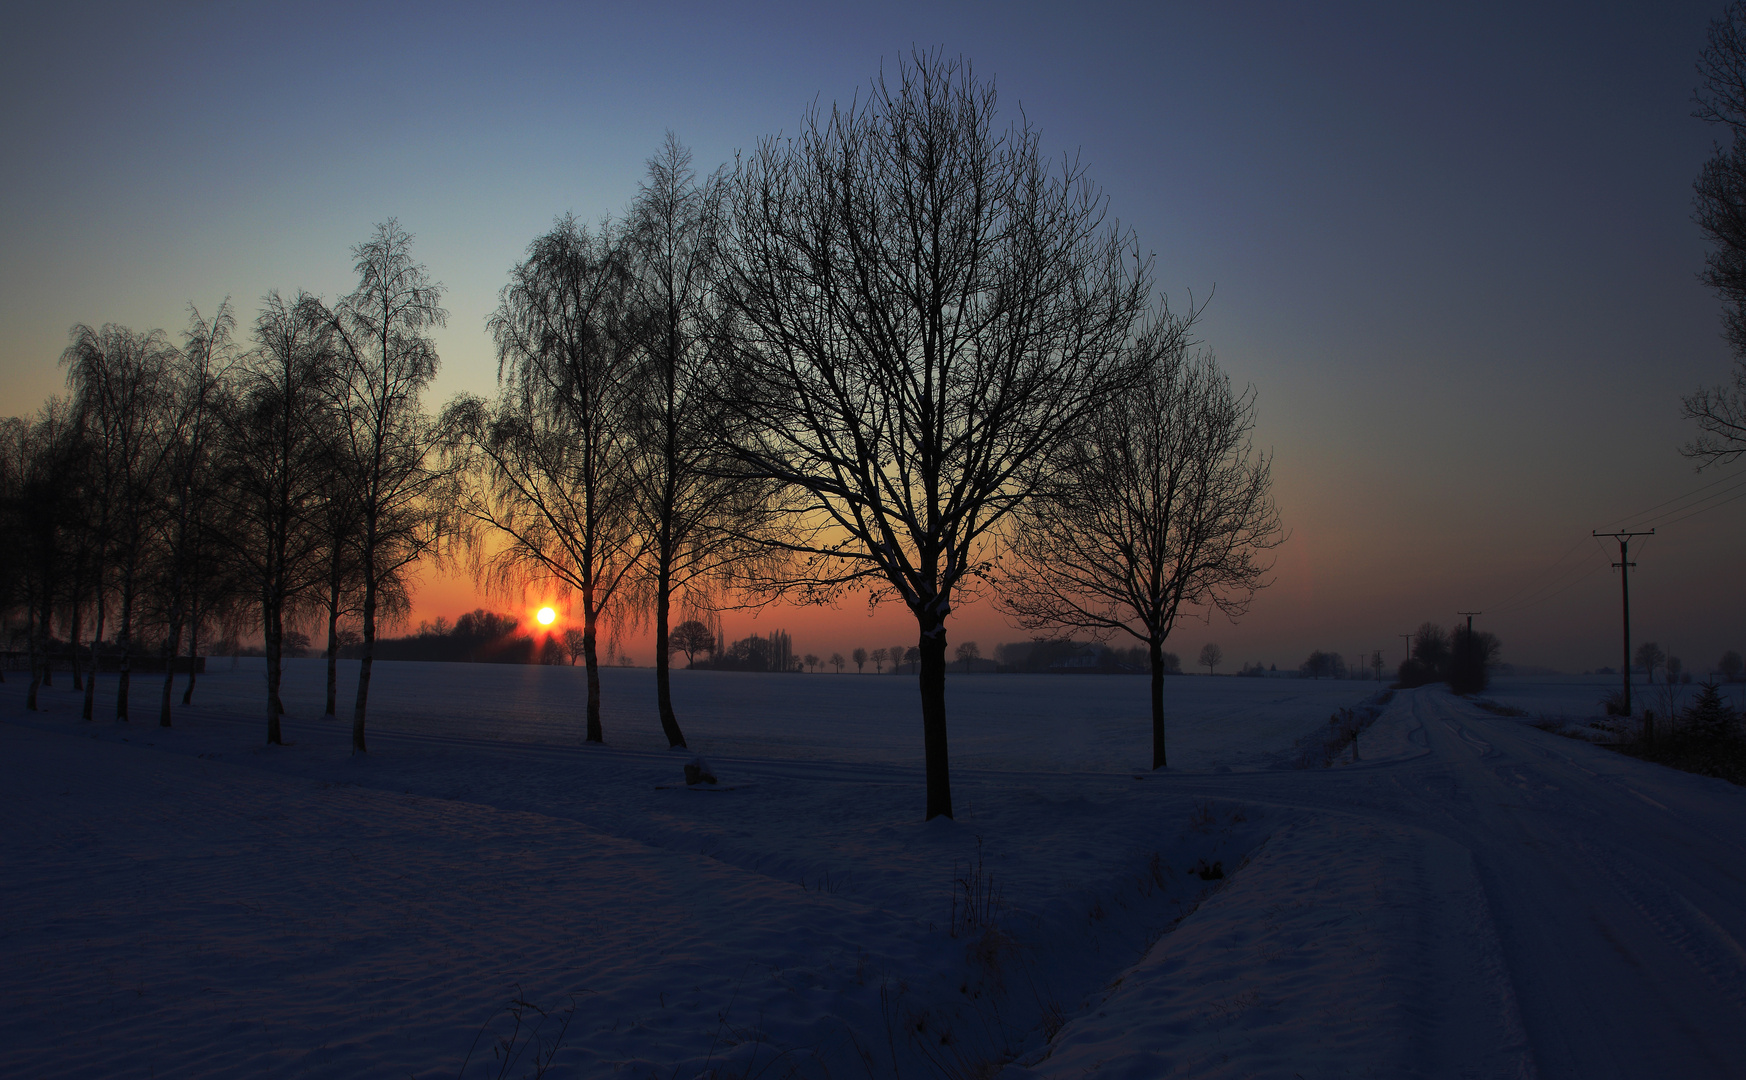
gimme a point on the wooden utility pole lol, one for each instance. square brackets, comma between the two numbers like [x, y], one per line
[1470, 615]
[1624, 564]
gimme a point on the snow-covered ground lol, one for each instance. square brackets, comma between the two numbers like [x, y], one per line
[1473, 897]
[1578, 696]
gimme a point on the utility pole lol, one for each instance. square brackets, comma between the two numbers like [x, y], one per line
[1624, 564]
[1470, 615]
[1408, 638]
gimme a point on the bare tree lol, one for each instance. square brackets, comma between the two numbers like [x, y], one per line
[547, 466]
[1211, 655]
[878, 657]
[277, 440]
[122, 382]
[1158, 505]
[811, 662]
[190, 478]
[41, 462]
[1720, 210]
[968, 652]
[387, 359]
[860, 657]
[926, 308]
[836, 661]
[694, 515]
[1731, 666]
[1649, 657]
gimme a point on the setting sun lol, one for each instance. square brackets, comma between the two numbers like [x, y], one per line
[546, 616]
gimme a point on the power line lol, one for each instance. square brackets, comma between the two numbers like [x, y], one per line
[1555, 586]
[1572, 583]
[1554, 581]
[1506, 601]
[1737, 495]
[1734, 485]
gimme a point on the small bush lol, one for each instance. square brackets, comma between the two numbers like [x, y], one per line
[1498, 708]
[1414, 673]
[1706, 740]
[1321, 747]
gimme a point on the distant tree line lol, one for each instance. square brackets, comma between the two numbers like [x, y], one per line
[900, 352]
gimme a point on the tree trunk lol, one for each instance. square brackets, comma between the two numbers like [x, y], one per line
[274, 631]
[663, 686]
[363, 700]
[933, 703]
[193, 648]
[96, 664]
[333, 596]
[170, 670]
[48, 625]
[592, 661]
[35, 662]
[125, 641]
[1155, 650]
[73, 641]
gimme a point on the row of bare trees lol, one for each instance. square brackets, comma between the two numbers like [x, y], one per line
[901, 352]
[220, 482]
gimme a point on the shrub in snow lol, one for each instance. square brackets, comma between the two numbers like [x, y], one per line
[1321, 747]
[1709, 717]
[1208, 871]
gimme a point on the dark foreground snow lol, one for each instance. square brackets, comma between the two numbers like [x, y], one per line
[1473, 897]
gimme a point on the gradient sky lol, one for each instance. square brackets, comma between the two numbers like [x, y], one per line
[1452, 248]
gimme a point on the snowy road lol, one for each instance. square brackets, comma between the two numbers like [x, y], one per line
[1618, 889]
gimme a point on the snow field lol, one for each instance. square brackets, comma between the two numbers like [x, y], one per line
[191, 901]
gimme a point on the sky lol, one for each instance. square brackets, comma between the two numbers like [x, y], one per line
[1450, 248]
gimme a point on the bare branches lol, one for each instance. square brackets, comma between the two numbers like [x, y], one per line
[1719, 207]
[384, 437]
[925, 308]
[547, 467]
[1159, 505]
[1720, 413]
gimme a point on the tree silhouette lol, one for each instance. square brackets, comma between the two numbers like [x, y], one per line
[386, 359]
[968, 652]
[546, 467]
[1159, 503]
[1211, 656]
[1649, 657]
[691, 637]
[925, 309]
[274, 458]
[1720, 209]
[694, 516]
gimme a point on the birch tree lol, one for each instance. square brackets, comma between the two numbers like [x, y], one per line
[545, 472]
[122, 383]
[278, 433]
[386, 359]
